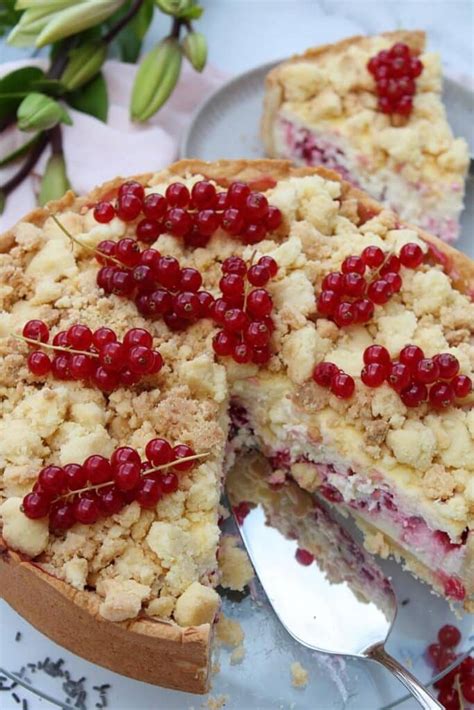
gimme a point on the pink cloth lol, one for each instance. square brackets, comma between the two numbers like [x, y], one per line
[96, 151]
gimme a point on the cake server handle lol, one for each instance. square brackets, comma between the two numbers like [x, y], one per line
[419, 692]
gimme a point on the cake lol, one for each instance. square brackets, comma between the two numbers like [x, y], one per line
[131, 584]
[326, 107]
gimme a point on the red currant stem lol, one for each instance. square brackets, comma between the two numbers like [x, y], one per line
[54, 347]
[86, 246]
[376, 271]
[145, 473]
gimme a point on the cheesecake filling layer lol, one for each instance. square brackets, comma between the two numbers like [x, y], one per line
[412, 200]
[370, 497]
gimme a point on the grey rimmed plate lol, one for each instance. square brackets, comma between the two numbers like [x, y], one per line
[227, 125]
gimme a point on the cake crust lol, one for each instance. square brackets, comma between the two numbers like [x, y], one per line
[149, 650]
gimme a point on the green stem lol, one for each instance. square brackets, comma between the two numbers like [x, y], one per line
[117, 28]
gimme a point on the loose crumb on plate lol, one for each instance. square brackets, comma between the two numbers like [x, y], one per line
[299, 675]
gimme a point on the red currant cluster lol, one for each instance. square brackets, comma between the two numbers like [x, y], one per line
[395, 71]
[157, 284]
[460, 680]
[96, 357]
[329, 376]
[410, 374]
[100, 487]
[194, 215]
[347, 298]
[245, 318]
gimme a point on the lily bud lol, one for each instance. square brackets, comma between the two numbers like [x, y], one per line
[156, 79]
[173, 7]
[83, 64]
[38, 112]
[54, 182]
[76, 18]
[195, 49]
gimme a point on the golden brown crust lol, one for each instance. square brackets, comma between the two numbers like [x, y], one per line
[273, 90]
[156, 652]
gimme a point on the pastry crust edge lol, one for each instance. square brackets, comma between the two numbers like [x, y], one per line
[154, 651]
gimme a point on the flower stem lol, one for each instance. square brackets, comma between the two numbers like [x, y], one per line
[53, 347]
[163, 466]
[30, 162]
[117, 28]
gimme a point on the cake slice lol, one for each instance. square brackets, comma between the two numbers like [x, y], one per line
[326, 107]
[136, 579]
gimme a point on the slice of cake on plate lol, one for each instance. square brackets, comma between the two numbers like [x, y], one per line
[371, 108]
[164, 304]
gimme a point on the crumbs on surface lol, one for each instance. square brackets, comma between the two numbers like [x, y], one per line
[299, 675]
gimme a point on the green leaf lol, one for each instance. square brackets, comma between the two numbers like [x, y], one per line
[3, 200]
[8, 16]
[52, 87]
[15, 86]
[19, 152]
[91, 98]
[129, 41]
[142, 20]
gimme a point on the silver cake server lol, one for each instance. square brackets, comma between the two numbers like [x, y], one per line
[320, 614]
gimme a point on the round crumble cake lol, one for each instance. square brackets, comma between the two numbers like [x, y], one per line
[293, 370]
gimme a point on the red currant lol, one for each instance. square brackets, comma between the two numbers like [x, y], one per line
[207, 222]
[363, 310]
[394, 281]
[36, 330]
[399, 376]
[121, 283]
[333, 281]
[104, 278]
[61, 517]
[260, 356]
[39, 363]
[129, 207]
[327, 302]
[159, 302]
[411, 355]
[177, 195]
[467, 687]
[52, 479]
[105, 380]
[237, 194]
[353, 264]
[203, 195]
[140, 360]
[374, 375]
[61, 339]
[232, 285]
[104, 212]
[75, 476]
[304, 557]
[379, 291]
[191, 280]
[324, 372]
[233, 221]
[148, 230]
[354, 284]
[344, 314]
[391, 265]
[97, 469]
[462, 386]
[221, 201]
[376, 353]
[128, 252]
[269, 263]
[186, 305]
[411, 255]
[86, 511]
[441, 395]
[105, 249]
[144, 278]
[253, 233]
[404, 106]
[79, 337]
[177, 222]
[234, 265]
[132, 187]
[81, 367]
[182, 451]
[449, 636]
[259, 303]
[373, 257]
[169, 482]
[206, 303]
[127, 475]
[36, 505]
[273, 218]
[154, 206]
[414, 394]
[257, 334]
[110, 500]
[258, 275]
[124, 454]
[138, 336]
[448, 365]
[223, 343]
[169, 272]
[235, 320]
[148, 492]
[241, 353]
[256, 206]
[113, 356]
[426, 371]
[60, 366]
[342, 385]
[159, 452]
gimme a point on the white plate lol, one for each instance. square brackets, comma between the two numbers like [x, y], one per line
[227, 125]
